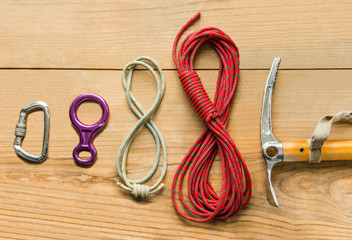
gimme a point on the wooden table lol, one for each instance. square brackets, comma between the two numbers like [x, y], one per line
[55, 50]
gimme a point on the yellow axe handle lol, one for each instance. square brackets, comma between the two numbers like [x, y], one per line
[332, 150]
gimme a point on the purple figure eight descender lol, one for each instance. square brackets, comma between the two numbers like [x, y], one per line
[87, 132]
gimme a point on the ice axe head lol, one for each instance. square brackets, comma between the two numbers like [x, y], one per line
[272, 149]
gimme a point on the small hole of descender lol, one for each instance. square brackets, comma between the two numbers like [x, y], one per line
[84, 155]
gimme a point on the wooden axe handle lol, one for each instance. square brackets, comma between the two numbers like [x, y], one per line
[332, 150]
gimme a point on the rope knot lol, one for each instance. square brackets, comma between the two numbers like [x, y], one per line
[140, 191]
[211, 116]
[197, 95]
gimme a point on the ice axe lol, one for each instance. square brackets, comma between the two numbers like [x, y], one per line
[315, 150]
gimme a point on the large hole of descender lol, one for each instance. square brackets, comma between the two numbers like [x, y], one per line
[89, 112]
[272, 151]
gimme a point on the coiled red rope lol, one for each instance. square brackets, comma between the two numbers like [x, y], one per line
[236, 184]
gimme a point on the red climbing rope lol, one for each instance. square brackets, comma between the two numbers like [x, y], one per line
[236, 184]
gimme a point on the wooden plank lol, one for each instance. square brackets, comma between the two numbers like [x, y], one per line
[104, 34]
[58, 200]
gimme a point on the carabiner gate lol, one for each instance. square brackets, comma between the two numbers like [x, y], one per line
[20, 131]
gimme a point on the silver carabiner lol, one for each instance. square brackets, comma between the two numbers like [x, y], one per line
[20, 131]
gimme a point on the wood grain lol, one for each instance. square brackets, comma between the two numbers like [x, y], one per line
[58, 200]
[105, 34]
[55, 50]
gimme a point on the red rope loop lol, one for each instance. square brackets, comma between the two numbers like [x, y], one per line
[236, 184]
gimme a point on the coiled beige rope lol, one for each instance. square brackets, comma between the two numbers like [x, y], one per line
[136, 187]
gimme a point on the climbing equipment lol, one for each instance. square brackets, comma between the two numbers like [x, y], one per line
[313, 151]
[87, 132]
[20, 131]
[136, 187]
[236, 184]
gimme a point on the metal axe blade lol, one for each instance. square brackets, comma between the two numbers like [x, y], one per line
[272, 149]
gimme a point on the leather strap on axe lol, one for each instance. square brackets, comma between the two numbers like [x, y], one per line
[322, 132]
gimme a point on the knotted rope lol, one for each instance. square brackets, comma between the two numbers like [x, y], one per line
[136, 187]
[236, 184]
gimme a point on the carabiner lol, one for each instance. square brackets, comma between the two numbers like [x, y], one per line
[20, 131]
